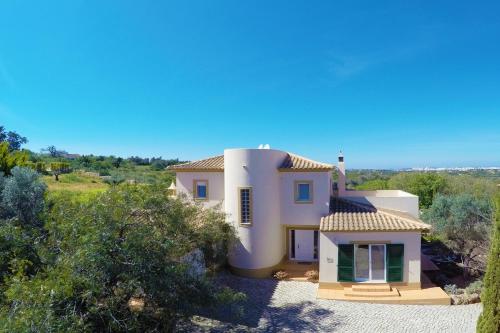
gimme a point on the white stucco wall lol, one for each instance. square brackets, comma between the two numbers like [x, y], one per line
[389, 199]
[184, 184]
[304, 213]
[328, 242]
[260, 244]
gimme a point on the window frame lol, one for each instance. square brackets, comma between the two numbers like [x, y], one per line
[296, 191]
[195, 189]
[250, 206]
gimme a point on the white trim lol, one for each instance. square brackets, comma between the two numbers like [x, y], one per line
[370, 280]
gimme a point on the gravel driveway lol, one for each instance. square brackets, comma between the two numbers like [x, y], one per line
[292, 307]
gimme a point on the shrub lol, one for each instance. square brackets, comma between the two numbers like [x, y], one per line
[113, 253]
[22, 195]
[280, 275]
[463, 222]
[474, 288]
[489, 320]
[114, 179]
[451, 289]
[312, 275]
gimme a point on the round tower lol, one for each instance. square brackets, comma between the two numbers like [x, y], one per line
[252, 184]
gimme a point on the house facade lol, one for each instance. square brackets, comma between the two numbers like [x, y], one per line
[287, 208]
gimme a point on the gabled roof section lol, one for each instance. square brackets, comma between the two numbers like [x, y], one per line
[211, 164]
[291, 163]
[298, 163]
[348, 216]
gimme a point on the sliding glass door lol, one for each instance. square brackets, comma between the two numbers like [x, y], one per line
[369, 262]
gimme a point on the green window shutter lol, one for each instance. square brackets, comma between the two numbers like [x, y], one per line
[394, 262]
[346, 263]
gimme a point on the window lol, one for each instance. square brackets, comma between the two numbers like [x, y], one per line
[200, 189]
[303, 191]
[245, 197]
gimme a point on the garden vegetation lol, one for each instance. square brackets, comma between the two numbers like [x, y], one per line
[110, 263]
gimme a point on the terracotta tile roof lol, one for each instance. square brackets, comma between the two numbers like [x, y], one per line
[295, 162]
[349, 216]
[215, 163]
[292, 162]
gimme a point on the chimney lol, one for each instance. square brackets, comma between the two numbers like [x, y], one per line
[341, 178]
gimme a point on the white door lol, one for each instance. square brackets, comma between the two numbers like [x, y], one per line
[304, 245]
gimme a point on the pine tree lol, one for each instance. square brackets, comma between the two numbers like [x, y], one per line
[489, 321]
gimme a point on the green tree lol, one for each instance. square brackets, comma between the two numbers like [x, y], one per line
[423, 184]
[14, 140]
[374, 184]
[489, 321]
[58, 168]
[463, 222]
[9, 159]
[115, 264]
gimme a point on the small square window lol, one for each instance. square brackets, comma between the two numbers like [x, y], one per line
[200, 189]
[303, 191]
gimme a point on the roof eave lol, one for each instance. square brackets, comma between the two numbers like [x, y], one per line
[326, 169]
[195, 170]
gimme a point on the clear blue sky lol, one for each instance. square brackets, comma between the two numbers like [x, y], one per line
[392, 84]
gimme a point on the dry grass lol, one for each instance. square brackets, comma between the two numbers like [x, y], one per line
[75, 182]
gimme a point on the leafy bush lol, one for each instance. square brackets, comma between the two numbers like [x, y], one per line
[111, 253]
[451, 289]
[22, 196]
[17, 250]
[463, 223]
[114, 179]
[475, 287]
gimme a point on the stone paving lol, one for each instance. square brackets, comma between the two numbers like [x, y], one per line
[292, 307]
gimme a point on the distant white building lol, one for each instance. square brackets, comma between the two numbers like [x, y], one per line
[285, 208]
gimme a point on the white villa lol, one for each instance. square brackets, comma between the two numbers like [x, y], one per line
[288, 213]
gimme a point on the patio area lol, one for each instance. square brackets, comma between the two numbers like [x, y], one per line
[381, 293]
[386, 294]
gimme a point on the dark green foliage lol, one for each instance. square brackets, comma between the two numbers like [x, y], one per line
[357, 178]
[425, 185]
[374, 184]
[22, 196]
[463, 223]
[14, 140]
[489, 321]
[112, 250]
[17, 250]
